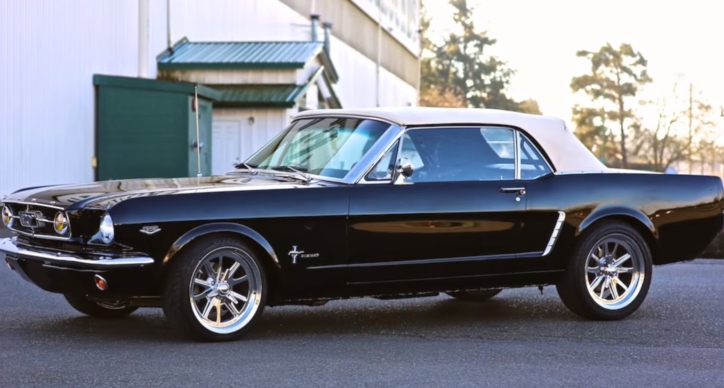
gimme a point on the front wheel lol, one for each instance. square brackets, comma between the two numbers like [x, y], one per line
[609, 275]
[98, 309]
[215, 289]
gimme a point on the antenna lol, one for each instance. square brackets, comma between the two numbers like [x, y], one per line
[198, 137]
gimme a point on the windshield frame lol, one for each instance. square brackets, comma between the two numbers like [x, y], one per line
[355, 173]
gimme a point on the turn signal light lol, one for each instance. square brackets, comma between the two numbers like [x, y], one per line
[101, 283]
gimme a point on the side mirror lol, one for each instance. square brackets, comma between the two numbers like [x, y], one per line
[404, 167]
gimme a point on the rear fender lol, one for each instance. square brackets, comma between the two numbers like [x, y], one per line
[222, 227]
[617, 211]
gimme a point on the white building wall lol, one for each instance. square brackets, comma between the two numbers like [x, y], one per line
[49, 51]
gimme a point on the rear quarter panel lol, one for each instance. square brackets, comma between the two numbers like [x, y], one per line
[678, 214]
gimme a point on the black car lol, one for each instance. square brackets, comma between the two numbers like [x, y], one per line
[386, 203]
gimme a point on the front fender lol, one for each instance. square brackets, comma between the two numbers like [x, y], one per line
[221, 227]
[600, 213]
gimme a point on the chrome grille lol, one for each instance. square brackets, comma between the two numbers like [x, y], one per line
[35, 220]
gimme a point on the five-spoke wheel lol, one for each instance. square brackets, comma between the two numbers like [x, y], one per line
[609, 274]
[215, 289]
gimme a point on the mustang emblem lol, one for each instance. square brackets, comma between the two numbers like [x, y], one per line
[150, 229]
[294, 253]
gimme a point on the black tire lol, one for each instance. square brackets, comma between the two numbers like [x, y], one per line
[188, 318]
[475, 296]
[573, 288]
[97, 309]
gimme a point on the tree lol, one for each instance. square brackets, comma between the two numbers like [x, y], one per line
[616, 77]
[665, 144]
[458, 69]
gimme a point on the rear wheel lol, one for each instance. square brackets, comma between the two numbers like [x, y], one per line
[477, 296]
[215, 289]
[98, 309]
[609, 275]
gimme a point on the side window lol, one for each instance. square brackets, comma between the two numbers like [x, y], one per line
[385, 168]
[460, 154]
[532, 164]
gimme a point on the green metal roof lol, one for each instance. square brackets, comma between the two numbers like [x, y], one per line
[259, 95]
[187, 55]
[240, 55]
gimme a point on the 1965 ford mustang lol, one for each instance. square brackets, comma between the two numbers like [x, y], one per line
[387, 203]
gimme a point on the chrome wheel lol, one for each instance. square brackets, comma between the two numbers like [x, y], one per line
[225, 290]
[614, 272]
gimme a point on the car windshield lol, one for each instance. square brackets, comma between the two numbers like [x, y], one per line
[327, 147]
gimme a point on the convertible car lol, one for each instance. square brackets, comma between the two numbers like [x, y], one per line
[384, 203]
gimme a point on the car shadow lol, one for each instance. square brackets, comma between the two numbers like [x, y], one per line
[424, 317]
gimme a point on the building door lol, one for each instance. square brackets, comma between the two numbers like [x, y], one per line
[226, 146]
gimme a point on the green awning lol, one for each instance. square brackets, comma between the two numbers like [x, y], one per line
[259, 95]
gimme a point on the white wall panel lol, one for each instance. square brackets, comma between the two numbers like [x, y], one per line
[50, 50]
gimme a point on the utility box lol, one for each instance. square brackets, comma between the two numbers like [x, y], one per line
[146, 128]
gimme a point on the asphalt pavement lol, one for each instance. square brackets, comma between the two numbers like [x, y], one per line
[519, 338]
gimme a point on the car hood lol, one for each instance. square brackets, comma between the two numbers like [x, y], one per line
[107, 193]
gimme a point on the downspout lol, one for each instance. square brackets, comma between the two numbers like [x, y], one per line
[143, 38]
[169, 42]
[379, 49]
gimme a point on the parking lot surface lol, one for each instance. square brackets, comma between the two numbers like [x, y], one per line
[519, 338]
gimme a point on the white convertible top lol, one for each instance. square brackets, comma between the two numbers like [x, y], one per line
[565, 151]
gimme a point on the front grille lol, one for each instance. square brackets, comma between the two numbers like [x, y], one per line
[35, 220]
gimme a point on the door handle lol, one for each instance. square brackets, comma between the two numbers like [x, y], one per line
[516, 190]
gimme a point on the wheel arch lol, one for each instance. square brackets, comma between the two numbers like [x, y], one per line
[270, 260]
[633, 218]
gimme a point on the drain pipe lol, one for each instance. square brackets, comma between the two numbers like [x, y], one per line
[143, 37]
[169, 42]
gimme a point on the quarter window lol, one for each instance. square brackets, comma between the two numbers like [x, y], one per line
[532, 164]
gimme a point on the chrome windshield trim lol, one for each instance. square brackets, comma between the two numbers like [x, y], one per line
[555, 234]
[9, 247]
[356, 173]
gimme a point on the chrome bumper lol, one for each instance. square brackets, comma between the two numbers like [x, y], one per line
[9, 247]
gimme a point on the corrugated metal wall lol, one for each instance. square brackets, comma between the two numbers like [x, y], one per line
[49, 51]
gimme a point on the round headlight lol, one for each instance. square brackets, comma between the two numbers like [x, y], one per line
[7, 216]
[106, 229]
[60, 223]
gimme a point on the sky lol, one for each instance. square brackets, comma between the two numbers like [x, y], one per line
[539, 39]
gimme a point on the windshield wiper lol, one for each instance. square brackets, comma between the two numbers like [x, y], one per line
[249, 167]
[297, 169]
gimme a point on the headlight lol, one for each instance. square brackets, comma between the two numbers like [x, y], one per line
[7, 216]
[60, 223]
[106, 229]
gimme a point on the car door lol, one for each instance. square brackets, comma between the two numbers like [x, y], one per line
[458, 214]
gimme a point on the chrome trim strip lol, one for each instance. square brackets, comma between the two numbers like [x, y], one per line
[9, 247]
[556, 232]
[516, 155]
[507, 256]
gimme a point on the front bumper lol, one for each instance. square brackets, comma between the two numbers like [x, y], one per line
[9, 247]
[73, 272]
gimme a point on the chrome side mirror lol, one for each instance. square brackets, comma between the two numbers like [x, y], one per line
[404, 167]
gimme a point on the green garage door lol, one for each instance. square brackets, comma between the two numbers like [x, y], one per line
[147, 128]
